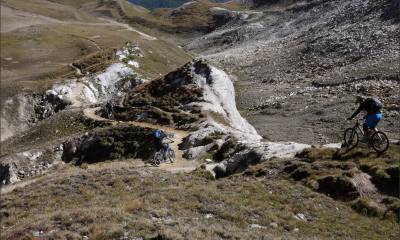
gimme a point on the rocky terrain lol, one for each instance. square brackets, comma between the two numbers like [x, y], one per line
[256, 120]
[300, 65]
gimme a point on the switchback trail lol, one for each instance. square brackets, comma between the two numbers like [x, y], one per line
[180, 164]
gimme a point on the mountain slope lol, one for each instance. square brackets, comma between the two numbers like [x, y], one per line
[59, 37]
[301, 64]
[192, 19]
[84, 96]
[127, 200]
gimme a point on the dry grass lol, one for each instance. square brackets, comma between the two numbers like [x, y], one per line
[41, 54]
[336, 173]
[111, 200]
[50, 9]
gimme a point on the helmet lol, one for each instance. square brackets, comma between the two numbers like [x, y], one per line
[157, 133]
[360, 99]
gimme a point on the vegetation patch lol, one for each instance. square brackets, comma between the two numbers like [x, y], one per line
[338, 174]
[113, 201]
[49, 132]
[110, 143]
[166, 100]
[367, 207]
[226, 150]
[95, 62]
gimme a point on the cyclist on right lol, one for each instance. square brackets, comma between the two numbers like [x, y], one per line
[373, 108]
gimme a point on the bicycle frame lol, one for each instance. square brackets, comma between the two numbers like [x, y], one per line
[361, 130]
[358, 127]
[164, 150]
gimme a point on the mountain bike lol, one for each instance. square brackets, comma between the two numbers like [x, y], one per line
[376, 139]
[166, 151]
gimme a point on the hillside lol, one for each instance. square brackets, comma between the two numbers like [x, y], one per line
[192, 19]
[127, 200]
[40, 53]
[301, 64]
[252, 96]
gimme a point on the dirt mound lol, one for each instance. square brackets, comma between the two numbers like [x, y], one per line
[338, 187]
[386, 178]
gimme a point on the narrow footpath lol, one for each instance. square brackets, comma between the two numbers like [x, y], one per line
[180, 164]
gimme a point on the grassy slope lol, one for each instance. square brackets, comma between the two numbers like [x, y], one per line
[115, 9]
[314, 165]
[195, 17]
[40, 53]
[51, 9]
[49, 132]
[39, 57]
[110, 200]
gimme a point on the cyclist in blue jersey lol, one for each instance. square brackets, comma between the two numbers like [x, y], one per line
[372, 106]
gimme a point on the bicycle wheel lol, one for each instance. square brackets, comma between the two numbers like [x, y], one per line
[171, 155]
[379, 142]
[351, 138]
[158, 157]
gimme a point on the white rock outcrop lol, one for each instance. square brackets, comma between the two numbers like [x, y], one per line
[224, 121]
[93, 89]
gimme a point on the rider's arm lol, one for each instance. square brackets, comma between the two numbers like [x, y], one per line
[360, 108]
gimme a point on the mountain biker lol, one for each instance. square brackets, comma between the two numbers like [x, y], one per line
[159, 136]
[373, 108]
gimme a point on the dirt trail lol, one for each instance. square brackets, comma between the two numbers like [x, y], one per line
[180, 164]
[9, 188]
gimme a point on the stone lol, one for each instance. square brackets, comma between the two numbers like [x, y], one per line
[273, 225]
[300, 216]
[253, 225]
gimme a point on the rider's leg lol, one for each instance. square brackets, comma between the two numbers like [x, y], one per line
[165, 150]
[367, 131]
[158, 144]
[370, 123]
